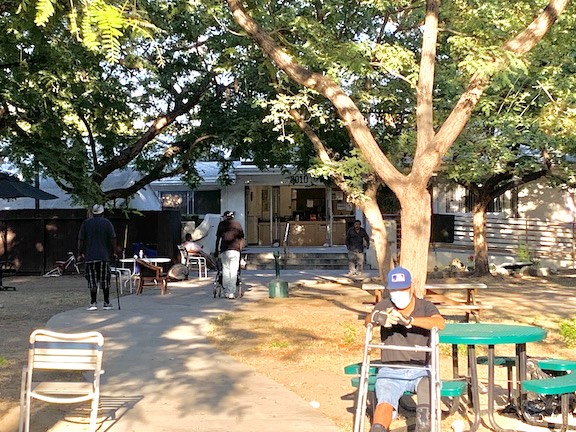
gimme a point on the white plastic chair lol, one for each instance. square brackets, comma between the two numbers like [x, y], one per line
[192, 261]
[55, 351]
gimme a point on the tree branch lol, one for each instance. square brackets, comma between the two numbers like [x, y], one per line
[91, 139]
[324, 156]
[519, 45]
[161, 123]
[351, 116]
[424, 102]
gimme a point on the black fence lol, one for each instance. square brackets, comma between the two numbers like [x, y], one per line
[33, 240]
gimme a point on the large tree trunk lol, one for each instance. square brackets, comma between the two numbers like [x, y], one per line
[481, 264]
[379, 235]
[415, 219]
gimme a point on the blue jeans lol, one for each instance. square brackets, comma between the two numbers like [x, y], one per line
[392, 383]
[230, 266]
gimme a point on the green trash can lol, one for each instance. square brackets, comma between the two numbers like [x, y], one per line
[277, 287]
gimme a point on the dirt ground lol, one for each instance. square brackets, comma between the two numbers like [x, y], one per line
[302, 342]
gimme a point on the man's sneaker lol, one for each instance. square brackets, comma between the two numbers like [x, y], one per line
[107, 306]
[92, 307]
[231, 296]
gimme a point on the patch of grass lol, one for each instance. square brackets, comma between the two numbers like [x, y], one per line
[221, 320]
[446, 350]
[350, 334]
[568, 331]
[4, 361]
[280, 344]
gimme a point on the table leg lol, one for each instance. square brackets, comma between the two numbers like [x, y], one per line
[474, 393]
[521, 375]
[455, 368]
[491, 380]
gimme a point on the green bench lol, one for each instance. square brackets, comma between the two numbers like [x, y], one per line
[562, 385]
[556, 365]
[550, 366]
[449, 388]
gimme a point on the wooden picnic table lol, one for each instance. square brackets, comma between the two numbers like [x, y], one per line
[436, 293]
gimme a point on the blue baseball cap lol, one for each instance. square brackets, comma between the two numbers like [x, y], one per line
[398, 279]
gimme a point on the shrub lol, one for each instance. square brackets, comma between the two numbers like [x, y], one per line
[523, 253]
[568, 331]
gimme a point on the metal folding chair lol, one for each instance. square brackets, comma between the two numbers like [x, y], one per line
[433, 368]
[55, 351]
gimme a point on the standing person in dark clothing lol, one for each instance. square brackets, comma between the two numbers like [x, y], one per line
[229, 243]
[357, 240]
[97, 246]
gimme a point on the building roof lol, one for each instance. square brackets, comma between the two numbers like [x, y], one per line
[144, 199]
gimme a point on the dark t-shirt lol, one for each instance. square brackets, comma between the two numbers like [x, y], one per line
[97, 233]
[400, 335]
[231, 234]
[355, 240]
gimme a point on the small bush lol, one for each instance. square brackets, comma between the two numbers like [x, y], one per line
[350, 334]
[568, 331]
[523, 253]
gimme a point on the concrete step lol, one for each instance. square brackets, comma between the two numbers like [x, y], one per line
[265, 260]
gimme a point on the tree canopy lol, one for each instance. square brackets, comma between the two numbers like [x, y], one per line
[427, 66]
[399, 80]
[166, 101]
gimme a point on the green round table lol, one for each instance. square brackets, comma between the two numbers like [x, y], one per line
[490, 334]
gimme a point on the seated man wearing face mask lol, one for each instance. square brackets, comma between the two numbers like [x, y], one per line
[405, 320]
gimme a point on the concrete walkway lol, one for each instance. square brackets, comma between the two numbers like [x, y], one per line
[162, 374]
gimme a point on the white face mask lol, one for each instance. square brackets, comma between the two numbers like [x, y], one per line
[401, 299]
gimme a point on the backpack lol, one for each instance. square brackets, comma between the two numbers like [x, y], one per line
[538, 406]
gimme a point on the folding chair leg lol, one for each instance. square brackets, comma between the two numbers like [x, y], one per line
[22, 400]
[94, 414]
[28, 400]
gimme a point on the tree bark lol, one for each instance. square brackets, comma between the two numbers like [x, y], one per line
[481, 263]
[415, 219]
[378, 231]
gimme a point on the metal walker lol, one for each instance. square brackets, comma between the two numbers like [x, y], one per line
[433, 368]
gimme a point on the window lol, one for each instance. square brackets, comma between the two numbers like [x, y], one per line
[458, 200]
[207, 202]
[198, 202]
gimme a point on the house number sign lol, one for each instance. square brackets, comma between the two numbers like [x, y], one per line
[301, 179]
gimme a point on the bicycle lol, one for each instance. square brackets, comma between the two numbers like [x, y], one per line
[62, 267]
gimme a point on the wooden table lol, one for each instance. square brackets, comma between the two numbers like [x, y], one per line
[153, 260]
[436, 294]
